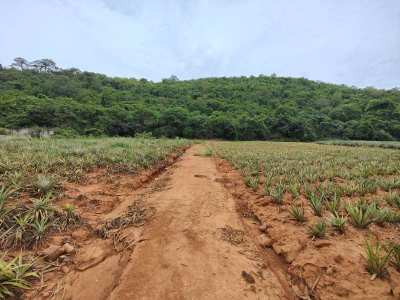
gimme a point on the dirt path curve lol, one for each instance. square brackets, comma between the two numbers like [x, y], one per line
[184, 254]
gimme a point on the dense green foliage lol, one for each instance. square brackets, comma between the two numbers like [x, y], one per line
[243, 108]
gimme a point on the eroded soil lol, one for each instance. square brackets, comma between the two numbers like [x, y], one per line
[191, 229]
[179, 236]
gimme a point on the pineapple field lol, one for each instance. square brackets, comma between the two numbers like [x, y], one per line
[111, 218]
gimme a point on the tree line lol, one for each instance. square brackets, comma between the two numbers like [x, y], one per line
[239, 108]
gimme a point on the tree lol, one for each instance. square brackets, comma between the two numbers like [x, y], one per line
[20, 63]
[44, 65]
[171, 78]
[243, 108]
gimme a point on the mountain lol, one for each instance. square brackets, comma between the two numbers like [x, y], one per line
[238, 108]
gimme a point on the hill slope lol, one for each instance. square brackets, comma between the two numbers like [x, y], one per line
[245, 108]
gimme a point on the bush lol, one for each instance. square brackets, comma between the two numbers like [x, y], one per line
[65, 132]
[3, 131]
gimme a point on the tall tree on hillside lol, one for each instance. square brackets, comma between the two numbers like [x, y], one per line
[20, 63]
[44, 65]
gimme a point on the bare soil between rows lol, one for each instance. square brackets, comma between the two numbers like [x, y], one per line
[176, 235]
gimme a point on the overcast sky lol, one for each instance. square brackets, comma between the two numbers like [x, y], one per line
[355, 42]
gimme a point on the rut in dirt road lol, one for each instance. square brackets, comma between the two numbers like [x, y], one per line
[195, 247]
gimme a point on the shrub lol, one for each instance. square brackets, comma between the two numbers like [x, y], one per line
[3, 131]
[65, 133]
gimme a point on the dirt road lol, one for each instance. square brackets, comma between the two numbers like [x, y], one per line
[196, 246]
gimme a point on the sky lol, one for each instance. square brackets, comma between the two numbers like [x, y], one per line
[352, 42]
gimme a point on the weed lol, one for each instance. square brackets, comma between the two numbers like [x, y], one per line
[207, 152]
[231, 235]
[67, 217]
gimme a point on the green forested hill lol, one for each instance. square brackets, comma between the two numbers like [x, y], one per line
[244, 108]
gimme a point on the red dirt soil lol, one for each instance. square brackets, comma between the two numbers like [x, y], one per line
[195, 245]
[206, 236]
